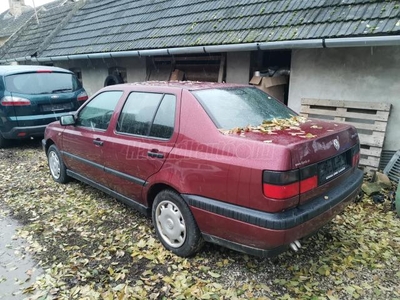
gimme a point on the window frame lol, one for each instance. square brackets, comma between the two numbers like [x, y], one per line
[91, 100]
[148, 136]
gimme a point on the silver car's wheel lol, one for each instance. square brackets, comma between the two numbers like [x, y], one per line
[54, 165]
[171, 224]
[175, 225]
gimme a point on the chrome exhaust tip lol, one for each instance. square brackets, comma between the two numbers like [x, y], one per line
[295, 246]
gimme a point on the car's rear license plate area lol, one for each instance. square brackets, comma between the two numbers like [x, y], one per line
[332, 167]
[56, 107]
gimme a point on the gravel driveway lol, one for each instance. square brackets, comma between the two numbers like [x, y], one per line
[90, 246]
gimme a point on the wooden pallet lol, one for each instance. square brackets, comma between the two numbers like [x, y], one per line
[369, 118]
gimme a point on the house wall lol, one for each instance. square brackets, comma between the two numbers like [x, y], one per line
[355, 74]
[95, 71]
[238, 67]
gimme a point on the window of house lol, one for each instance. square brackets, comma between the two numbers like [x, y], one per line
[148, 114]
[193, 67]
[98, 112]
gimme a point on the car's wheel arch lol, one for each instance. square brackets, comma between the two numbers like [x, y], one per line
[49, 142]
[154, 190]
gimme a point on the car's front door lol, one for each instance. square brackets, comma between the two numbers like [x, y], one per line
[83, 143]
[144, 136]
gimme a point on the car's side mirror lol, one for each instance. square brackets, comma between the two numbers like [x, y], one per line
[67, 120]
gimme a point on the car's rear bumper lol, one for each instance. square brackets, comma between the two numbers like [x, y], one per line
[24, 132]
[262, 233]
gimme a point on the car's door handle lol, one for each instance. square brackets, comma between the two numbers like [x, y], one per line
[98, 142]
[155, 154]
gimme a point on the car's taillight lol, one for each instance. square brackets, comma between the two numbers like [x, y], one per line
[82, 96]
[355, 155]
[14, 101]
[284, 185]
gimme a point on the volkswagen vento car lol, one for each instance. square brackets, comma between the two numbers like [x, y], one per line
[221, 163]
[31, 97]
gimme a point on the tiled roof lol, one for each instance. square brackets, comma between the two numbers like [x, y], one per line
[119, 25]
[33, 36]
[109, 25]
[10, 24]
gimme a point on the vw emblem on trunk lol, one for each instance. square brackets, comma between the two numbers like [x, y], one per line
[54, 97]
[336, 144]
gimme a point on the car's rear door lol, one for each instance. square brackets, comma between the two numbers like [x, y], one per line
[82, 144]
[144, 135]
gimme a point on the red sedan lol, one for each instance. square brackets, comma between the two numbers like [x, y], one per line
[222, 163]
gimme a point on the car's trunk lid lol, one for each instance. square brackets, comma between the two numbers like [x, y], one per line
[309, 141]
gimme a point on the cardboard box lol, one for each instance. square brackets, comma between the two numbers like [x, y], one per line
[177, 75]
[274, 86]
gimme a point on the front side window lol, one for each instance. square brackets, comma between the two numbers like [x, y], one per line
[148, 114]
[98, 112]
[241, 106]
[42, 83]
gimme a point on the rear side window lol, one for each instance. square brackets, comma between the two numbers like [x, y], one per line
[98, 112]
[148, 114]
[239, 107]
[42, 83]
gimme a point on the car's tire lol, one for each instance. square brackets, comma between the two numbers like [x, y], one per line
[175, 225]
[56, 165]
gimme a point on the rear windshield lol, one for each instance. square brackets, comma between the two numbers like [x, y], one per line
[242, 106]
[42, 83]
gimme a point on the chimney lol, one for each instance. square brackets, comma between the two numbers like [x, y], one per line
[16, 7]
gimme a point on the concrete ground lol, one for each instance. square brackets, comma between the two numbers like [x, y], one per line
[17, 269]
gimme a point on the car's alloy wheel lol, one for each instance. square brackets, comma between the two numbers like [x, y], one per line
[175, 225]
[56, 165]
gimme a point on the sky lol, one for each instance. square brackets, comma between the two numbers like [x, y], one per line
[4, 3]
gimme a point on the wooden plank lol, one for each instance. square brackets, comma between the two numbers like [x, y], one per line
[347, 104]
[377, 126]
[375, 140]
[370, 161]
[341, 113]
[380, 115]
[372, 151]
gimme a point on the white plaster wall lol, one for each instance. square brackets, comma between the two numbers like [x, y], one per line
[355, 74]
[95, 71]
[136, 69]
[238, 67]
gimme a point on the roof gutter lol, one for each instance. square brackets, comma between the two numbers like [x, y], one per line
[295, 44]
